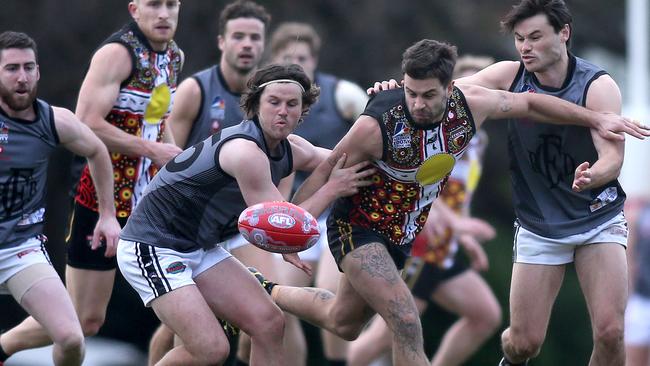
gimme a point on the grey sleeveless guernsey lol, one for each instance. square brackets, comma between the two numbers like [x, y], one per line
[219, 106]
[324, 126]
[192, 203]
[25, 148]
[543, 159]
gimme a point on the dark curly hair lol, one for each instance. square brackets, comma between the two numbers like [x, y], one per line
[250, 101]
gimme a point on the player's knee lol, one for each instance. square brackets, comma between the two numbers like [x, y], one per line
[268, 323]
[609, 334]
[216, 354]
[209, 350]
[71, 342]
[345, 328]
[525, 345]
[91, 324]
[406, 327]
[488, 321]
[348, 332]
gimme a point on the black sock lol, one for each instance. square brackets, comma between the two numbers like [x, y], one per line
[336, 362]
[509, 363]
[3, 355]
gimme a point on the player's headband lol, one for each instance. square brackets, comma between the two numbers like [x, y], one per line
[282, 81]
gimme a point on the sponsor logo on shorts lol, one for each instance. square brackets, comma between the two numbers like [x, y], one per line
[176, 267]
[27, 251]
[282, 221]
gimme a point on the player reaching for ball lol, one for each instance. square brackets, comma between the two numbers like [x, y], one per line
[413, 136]
[167, 250]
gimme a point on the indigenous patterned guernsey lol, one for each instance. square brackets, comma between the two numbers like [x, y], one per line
[414, 167]
[141, 108]
[441, 251]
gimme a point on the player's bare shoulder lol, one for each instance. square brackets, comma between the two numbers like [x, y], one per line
[113, 60]
[496, 76]
[66, 123]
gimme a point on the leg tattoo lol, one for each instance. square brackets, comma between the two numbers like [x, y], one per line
[404, 317]
[376, 262]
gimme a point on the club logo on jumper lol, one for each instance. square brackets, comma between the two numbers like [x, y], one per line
[551, 161]
[19, 187]
[176, 267]
[217, 113]
[526, 88]
[282, 221]
[4, 134]
[458, 133]
[401, 136]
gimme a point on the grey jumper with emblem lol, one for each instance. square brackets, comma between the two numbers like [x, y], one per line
[219, 106]
[544, 157]
[25, 149]
[192, 203]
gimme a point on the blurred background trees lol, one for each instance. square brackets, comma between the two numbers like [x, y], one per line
[362, 41]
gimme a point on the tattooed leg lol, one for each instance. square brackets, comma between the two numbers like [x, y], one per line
[343, 314]
[374, 275]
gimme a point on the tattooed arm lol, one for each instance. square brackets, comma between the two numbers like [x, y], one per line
[496, 104]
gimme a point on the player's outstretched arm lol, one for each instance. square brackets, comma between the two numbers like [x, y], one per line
[78, 138]
[496, 104]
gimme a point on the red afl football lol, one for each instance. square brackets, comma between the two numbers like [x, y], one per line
[279, 227]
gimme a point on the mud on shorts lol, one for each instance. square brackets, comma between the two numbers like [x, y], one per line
[82, 225]
[344, 237]
[423, 278]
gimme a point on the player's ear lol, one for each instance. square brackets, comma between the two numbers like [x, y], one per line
[133, 10]
[220, 42]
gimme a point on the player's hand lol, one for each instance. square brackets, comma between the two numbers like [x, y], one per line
[108, 229]
[384, 85]
[294, 259]
[613, 127]
[582, 177]
[160, 152]
[474, 250]
[436, 226]
[479, 229]
[347, 181]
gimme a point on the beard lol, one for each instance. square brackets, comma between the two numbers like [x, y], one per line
[17, 102]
